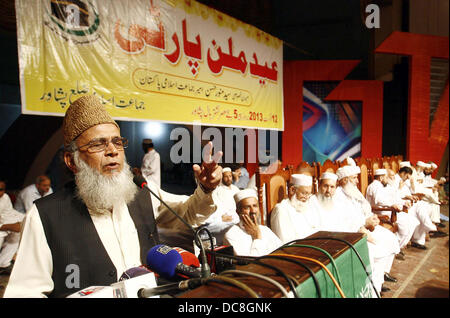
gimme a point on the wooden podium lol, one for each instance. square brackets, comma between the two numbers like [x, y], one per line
[353, 278]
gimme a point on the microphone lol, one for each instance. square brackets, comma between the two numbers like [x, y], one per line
[169, 263]
[224, 260]
[171, 288]
[140, 181]
[132, 280]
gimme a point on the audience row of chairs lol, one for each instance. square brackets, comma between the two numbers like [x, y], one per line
[272, 187]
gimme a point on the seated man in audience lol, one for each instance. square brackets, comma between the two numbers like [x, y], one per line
[338, 214]
[26, 197]
[225, 216]
[248, 238]
[291, 219]
[384, 200]
[241, 176]
[427, 209]
[10, 224]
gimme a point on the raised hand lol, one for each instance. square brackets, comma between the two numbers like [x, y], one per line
[209, 174]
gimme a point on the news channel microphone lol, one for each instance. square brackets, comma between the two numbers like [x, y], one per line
[170, 264]
[132, 280]
[205, 269]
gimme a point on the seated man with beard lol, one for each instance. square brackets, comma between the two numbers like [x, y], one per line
[100, 225]
[420, 209]
[291, 219]
[383, 244]
[383, 199]
[248, 237]
[225, 216]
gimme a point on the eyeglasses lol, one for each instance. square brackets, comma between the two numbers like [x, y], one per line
[100, 144]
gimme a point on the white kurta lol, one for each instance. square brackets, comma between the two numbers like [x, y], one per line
[31, 275]
[27, 196]
[9, 240]
[223, 197]
[244, 245]
[151, 167]
[289, 224]
[379, 196]
[350, 217]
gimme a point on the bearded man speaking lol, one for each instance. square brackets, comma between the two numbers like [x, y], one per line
[101, 224]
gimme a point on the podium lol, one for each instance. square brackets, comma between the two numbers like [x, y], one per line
[353, 282]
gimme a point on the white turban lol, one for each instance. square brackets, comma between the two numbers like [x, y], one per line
[433, 165]
[442, 179]
[421, 164]
[350, 161]
[227, 169]
[244, 194]
[301, 180]
[345, 171]
[405, 164]
[356, 170]
[328, 175]
[380, 172]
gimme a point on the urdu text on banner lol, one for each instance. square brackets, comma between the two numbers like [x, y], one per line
[173, 61]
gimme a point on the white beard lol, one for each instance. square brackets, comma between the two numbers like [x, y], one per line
[326, 203]
[298, 205]
[101, 193]
[352, 191]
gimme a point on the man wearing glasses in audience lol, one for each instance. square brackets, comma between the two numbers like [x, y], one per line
[292, 218]
[102, 224]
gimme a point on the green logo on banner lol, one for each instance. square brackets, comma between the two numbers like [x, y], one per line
[76, 18]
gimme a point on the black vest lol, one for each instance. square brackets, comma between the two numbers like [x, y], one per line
[73, 239]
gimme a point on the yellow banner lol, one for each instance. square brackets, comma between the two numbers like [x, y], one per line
[174, 61]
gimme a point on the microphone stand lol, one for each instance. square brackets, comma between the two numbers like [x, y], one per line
[206, 270]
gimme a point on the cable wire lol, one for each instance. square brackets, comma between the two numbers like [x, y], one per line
[321, 265]
[348, 244]
[254, 260]
[324, 252]
[219, 278]
[270, 280]
[313, 276]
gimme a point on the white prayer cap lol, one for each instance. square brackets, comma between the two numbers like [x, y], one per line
[350, 161]
[345, 171]
[433, 165]
[421, 164]
[442, 179]
[227, 169]
[328, 175]
[244, 194]
[301, 180]
[427, 166]
[380, 172]
[405, 164]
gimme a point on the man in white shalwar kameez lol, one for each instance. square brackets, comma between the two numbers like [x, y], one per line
[382, 199]
[249, 238]
[292, 218]
[225, 216]
[383, 244]
[10, 224]
[417, 208]
[151, 163]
